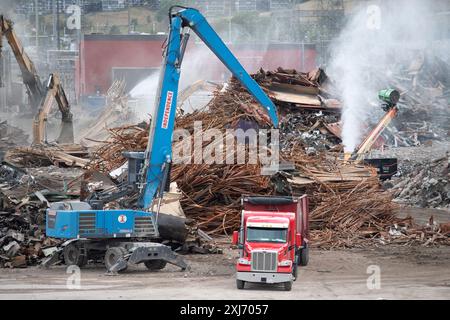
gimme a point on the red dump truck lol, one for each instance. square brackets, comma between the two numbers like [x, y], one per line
[272, 240]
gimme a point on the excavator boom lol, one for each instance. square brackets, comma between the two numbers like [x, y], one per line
[41, 98]
[389, 97]
[148, 171]
[368, 142]
[56, 92]
[30, 76]
[158, 156]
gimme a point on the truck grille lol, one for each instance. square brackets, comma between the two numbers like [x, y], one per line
[86, 223]
[144, 225]
[264, 261]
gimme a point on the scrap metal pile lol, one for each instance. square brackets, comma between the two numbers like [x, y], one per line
[116, 113]
[25, 195]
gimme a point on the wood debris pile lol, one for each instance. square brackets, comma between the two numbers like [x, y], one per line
[213, 193]
[348, 207]
[47, 155]
[109, 155]
[350, 213]
[407, 232]
[22, 240]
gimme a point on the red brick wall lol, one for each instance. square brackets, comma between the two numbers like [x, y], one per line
[99, 54]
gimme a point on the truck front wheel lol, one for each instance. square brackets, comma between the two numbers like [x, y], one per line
[240, 284]
[288, 286]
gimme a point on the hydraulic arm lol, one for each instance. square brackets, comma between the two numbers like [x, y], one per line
[390, 97]
[159, 149]
[35, 89]
[56, 92]
[41, 98]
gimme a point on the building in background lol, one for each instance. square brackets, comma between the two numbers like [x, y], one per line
[293, 34]
[105, 58]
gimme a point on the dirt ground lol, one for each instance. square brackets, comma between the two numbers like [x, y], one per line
[405, 273]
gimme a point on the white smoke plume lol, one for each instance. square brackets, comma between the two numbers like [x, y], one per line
[376, 35]
[194, 68]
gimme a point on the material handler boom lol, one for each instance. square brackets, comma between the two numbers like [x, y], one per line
[119, 233]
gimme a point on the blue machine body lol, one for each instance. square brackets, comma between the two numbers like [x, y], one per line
[158, 155]
[74, 224]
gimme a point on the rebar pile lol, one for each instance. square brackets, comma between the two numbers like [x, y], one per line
[348, 206]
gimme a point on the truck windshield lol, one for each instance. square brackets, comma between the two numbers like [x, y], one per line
[266, 234]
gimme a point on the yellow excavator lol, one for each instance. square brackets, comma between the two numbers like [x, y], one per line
[41, 97]
[56, 92]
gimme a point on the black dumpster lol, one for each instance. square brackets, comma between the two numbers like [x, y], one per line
[386, 167]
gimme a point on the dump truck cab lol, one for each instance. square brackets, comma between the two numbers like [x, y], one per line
[272, 240]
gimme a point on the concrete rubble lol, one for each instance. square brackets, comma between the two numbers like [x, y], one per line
[11, 136]
[425, 184]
